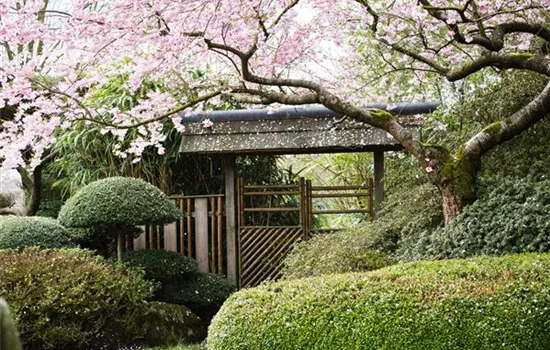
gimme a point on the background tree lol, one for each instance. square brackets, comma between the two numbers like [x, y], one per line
[340, 54]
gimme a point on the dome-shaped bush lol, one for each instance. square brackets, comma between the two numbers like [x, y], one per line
[160, 264]
[26, 231]
[482, 304]
[119, 201]
[70, 299]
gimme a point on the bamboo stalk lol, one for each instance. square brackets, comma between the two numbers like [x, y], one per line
[189, 234]
[219, 214]
[182, 226]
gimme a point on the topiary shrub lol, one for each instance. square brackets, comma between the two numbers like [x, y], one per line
[25, 231]
[170, 324]
[483, 304]
[160, 265]
[203, 293]
[71, 299]
[511, 218]
[118, 203]
[346, 251]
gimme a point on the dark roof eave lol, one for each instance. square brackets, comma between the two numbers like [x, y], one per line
[401, 109]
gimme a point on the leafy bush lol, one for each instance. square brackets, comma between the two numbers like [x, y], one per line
[347, 251]
[160, 264]
[118, 201]
[71, 299]
[169, 324]
[203, 293]
[510, 218]
[200, 289]
[24, 231]
[483, 304]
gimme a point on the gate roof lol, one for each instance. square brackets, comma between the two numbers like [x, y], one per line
[311, 129]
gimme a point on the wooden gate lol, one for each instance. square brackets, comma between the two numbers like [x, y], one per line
[272, 218]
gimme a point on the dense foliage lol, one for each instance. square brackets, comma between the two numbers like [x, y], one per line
[443, 305]
[19, 232]
[169, 324]
[71, 299]
[200, 289]
[513, 217]
[160, 265]
[118, 201]
[340, 252]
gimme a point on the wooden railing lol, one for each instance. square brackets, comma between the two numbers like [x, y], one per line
[198, 234]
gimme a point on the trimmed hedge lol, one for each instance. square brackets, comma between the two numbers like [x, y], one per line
[170, 324]
[71, 299]
[160, 264]
[483, 304]
[340, 252]
[26, 231]
[119, 201]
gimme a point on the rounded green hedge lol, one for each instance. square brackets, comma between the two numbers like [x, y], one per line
[26, 231]
[483, 304]
[71, 299]
[119, 201]
[160, 264]
[340, 252]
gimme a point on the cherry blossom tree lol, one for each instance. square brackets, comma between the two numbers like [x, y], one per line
[339, 53]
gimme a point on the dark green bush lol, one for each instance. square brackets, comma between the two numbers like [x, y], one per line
[200, 289]
[160, 264]
[118, 201]
[512, 217]
[203, 293]
[25, 231]
[170, 324]
[340, 252]
[483, 304]
[71, 299]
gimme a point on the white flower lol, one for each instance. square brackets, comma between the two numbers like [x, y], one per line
[207, 123]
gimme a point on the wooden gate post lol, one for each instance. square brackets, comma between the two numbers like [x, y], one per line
[378, 179]
[229, 171]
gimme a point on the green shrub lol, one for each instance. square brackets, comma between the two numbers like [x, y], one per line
[346, 251]
[483, 304]
[118, 201]
[203, 293]
[160, 264]
[200, 289]
[71, 299]
[511, 218]
[169, 324]
[25, 231]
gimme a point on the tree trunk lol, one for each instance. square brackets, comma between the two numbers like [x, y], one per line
[452, 203]
[119, 245]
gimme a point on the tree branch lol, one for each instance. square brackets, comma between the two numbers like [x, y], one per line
[505, 130]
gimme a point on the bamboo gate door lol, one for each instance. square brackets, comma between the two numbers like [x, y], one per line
[286, 215]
